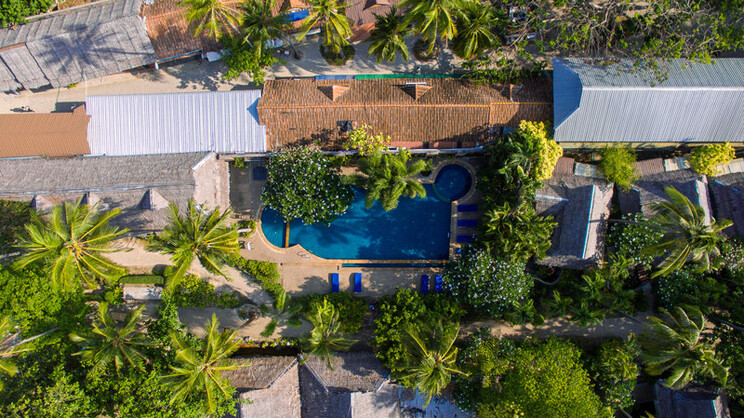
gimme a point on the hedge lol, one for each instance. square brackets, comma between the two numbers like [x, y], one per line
[265, 272]
[143, 279]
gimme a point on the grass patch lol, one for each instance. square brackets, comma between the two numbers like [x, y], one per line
[143, 279]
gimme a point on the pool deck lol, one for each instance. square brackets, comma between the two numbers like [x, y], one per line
[304, 273]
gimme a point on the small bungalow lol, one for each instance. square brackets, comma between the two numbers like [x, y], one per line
[73, 45]
[727, 193]
[606, 101]
[356, 387]
[656, 174]
[690, 402]
[581, 207]
[414, 112]
[142, 187]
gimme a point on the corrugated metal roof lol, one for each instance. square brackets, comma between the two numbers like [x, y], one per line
[43, 134]
[223, 122]
[705, 104]
[76, 44]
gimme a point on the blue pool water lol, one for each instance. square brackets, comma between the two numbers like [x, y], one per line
[453, 181]
[417, 230]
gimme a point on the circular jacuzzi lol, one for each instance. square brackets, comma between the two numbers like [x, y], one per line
[453, 182]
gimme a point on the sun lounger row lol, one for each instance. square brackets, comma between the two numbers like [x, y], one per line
[438, 284]
[357, 282]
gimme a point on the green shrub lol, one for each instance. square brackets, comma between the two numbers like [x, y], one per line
[705, 159]
[615, 372]
[229, 300]
[486, 283]
[143, 279]
[13, 216]
[114, 295]
[193, 291]
[239, 162]
[247, 224]
[632, 240]
[403, 309]
[265, 272]
[617, 166]
[351, 310]
[347, 54]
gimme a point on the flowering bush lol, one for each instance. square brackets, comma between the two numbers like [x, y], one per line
[479, 280]
[706, 158]
[366, 143]
[671, 289]
[302, 183]
[631, 240]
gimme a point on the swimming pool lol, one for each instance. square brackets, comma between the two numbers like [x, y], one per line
[417, 230]
[453, 182]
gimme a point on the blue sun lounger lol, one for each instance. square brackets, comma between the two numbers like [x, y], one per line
[357, 282]
[334, 282]
[464, 238]
[438, 283]
[467, 222]
[424, 284]
[467, 208]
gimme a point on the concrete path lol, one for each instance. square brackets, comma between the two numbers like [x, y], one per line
[197, 75]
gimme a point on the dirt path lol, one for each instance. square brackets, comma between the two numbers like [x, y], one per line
[611, 327]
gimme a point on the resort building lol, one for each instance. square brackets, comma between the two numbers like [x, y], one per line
[655, 175]
[140, 186]
[727, 195]
[73, 45]
[142, 124]
[44, 134]
[602, 101]
[414, 112]
[581, 207]
[356, 386]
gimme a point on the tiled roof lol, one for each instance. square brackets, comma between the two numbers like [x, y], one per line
[44, 134]
[169, 31]
[446, 111]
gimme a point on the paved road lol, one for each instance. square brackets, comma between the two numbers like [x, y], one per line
[205, 76]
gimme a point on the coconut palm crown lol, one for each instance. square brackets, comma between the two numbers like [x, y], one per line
[261, 25]
[197, 234]
[433, 19]
[71, 240]
[326, 336]
[688, 237]
[474, 33]
[213, 17]
[387, 39]
[388, 177]
[108, 343]
[335, 26]
[673, 343]
[198, 373]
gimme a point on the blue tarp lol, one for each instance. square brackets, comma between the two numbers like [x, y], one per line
[295, 16]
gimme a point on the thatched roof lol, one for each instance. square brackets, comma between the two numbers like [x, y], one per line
[353, 371]
[691, 402]
[581, 206]
[259, 373]
[727, 193]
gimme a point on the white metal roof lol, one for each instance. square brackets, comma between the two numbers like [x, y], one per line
[222, 122]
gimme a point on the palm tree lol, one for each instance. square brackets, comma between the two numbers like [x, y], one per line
[199, 372]
[387, 177]
[674, 343]
[387, 39]
[327, 336]
[474, 27]
[433, 19]
[108, 343]
[283, 311]
[198, 234]
[261, 25]
[211, 16]
[71, 240]
[8, 349]
[433, 357]
[336, 27]
[687, 235]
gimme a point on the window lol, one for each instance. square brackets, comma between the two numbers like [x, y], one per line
[345, 126]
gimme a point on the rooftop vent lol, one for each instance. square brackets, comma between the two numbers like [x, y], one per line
[416, 89]
[333, 92]
[152, 200]
[90, 199]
